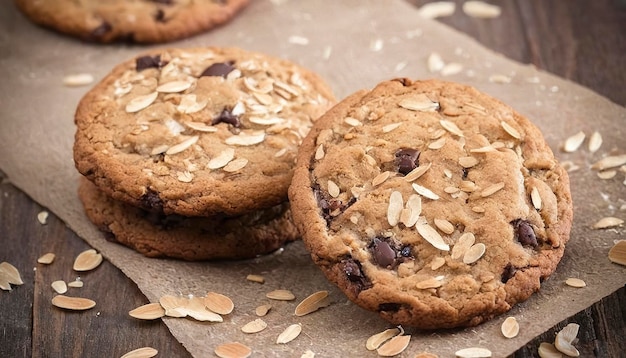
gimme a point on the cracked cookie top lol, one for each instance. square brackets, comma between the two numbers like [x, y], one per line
[431, 203]
[197, 132]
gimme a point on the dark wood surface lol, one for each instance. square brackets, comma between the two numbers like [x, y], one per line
[581, 40]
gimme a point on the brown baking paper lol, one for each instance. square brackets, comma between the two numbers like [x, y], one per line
[353, 44]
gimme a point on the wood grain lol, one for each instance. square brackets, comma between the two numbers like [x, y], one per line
[581, 40]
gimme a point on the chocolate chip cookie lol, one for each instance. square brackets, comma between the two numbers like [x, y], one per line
[431, 203]
[141, 21]
[198, 132]
[188, 238]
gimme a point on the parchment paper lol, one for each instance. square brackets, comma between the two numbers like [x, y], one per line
[344, 46]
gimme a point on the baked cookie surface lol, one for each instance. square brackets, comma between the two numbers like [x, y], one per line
[142, 21]
[198, 132]
[188, 238]
[431, 203]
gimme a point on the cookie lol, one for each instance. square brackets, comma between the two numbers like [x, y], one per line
[431, 203]
[188, 238]
[141, 21]
[198, 132]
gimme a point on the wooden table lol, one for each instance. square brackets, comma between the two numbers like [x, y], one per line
[581, 40]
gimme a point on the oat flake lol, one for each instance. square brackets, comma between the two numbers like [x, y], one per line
[436, 9]
[617, 253]
[144, 352]
[394, 346]
[289, 334]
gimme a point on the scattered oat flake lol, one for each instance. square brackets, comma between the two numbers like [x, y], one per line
[289, 334]
[419, 102]
[492, 189]
[427, 193]
[510, 130]
[10, 273]
[46, 259]
[595, 141]
[148, 311]
[564, 339]
[173, 305]
[78, 283]
[223, 158]
[174, 87]
[607, 174]
[473, 352]
[498, 78]
[218, 303]
[381, 178]
[376, 340]
[73, 303]
[426, 355]
[308, 354]
[510, 327]
[575, 282]
[281, 295]
[319, 152]
[437, 262]
[262, 310]
[535, 198]
[333, 189]
[548, 350]
[390, 127]
[246, 139]
[87, 260]
[617, 253]
[444, 225]
[235, 165]
[433, 10]
[298, 40]
[412, 211]
[438, 144]
[255, 278]
[255, 326]
[376, 45]
[184, 177]
[468, 162]
[79, 79]
[451, 127]
[608, 222]
[396, 203]
[474, 253]
[432, 236]
[451, 69]
[138, 103]
[417, 172]
[394, 346]
[42, 217]
[312, 303]
[481, 9]
[435, 62]
[232, 350]
[573, 143]
[144, 352]
[59, 286]
[433, 282]
[610, 162]
[175, 149]
[201, 127]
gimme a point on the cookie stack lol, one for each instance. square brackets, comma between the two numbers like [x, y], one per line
[188, 153]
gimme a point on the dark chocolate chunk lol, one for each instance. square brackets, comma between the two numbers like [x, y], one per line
[383, 254]
[354, 273]
[405, 251]
[507, 273]
[407, 160]
[524, 233]
[331, 207]
[151, 201]
[143, 62]
[219, 69]
[159, 16]
[227, 117]
[465, 172]
[165, 2]
[100, 31]
[389, 307]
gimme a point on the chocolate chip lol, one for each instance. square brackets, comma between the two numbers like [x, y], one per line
[383, 254]
[389, 307]
[524, 233]
[100, 31]
[331, 207]
[219, 69]
[406, 251]
[407, 160]
[141, 63]
[151, 201]
[165, 2]
[159, 16]
[354, 273]
[465, 172]
[227, 117]
[507, 273]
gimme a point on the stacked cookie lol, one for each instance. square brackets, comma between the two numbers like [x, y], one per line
[188, 153]
[431, 203]
[140, 21]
